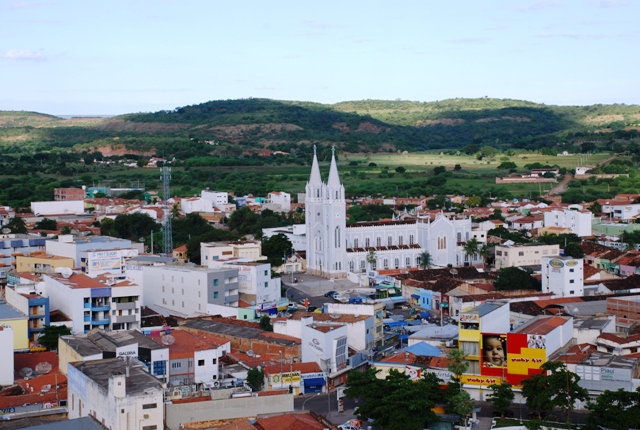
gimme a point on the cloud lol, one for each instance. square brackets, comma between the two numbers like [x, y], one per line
[538, 5]
[608, 3]
[24, 54]
[470, 40]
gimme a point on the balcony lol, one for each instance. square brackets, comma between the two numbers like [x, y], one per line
[124, 305]
[124, 318]
[100, 322]
[100, 306]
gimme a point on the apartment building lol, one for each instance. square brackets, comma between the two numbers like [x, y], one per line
[189, 290]
[579, 221]
[518, 255]
[105, 303]
[563, 276]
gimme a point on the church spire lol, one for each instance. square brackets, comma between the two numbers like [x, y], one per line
[334, 178]
[315, 178]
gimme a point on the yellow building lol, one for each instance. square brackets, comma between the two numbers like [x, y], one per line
[42, 263]
[529, 254]
[19, 323]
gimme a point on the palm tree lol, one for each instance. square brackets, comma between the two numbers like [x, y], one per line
[372, 258]
[471, 249]
[424, 260]
[485, 252]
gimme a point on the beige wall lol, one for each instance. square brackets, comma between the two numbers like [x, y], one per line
[524, 255]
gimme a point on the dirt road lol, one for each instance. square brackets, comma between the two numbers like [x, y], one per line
[562, 186]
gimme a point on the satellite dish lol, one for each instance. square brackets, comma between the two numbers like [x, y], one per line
[26, 371]
[6, 230]
[250, 353]
[43, 368]
[66, 272]
[167, 339]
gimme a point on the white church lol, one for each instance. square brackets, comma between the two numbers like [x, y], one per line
[333, 249]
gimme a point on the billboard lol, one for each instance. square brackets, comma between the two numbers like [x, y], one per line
[494, 350]
[104, 261]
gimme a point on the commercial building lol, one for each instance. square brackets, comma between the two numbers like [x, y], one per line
[67, 207]
[602, 371]
[14, 245]
[246, 250]
[256, 286]
[326, 345]
[42, 263]
[103, 302]
[278, 201]
[620, 209]
[118, 393]
[35, 306]
[518, 255]
[189, 291]
[65, 194]
[91, 253]
[6, 355]
[563, 276]
[99, 344]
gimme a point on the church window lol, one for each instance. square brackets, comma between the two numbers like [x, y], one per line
[339, 265]
[318, 192]
[336, 195]
[351, 266]
[400, 240]
[397, 263]
[362, 265]
[367, 243]
[355, 242]
[389, 241]
[459, 237]
[337, 237]
[411, 239]
[386, 263]
[407, 261]
[378, 241]
[467, 236]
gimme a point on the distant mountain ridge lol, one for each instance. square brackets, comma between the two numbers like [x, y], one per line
[369, 125]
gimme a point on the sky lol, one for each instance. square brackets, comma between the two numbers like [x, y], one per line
[109, 57]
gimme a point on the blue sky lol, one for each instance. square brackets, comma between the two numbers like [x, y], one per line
[119, 56]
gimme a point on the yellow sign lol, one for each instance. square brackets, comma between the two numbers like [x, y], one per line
[481, 380]
[572, 263]
[558, 264]
[529, 358]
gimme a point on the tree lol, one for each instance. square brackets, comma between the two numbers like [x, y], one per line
[275, 248]
[486, 252]
[372, 258]
[396, 402]
[107, 227]
[400, 169]
[65, 229]
[619, 410]
[596, 208]
[507, 165]
[135, 225]
[51, 334]
[501, 397]
[439, 169]
[255, 378]
[46, 224]
[514, 278]
[457, 364]
[555, 387]
[471, 249]
[265, 323]
[462, 405]
[574, 250]
[488, 151]
[16, 225]
[457, 167]
[425, 261]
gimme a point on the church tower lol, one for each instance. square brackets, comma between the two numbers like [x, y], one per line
[325, 214]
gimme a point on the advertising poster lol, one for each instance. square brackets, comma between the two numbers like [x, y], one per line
[494, 350]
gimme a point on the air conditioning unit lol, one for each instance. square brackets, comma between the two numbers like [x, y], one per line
[145, 416]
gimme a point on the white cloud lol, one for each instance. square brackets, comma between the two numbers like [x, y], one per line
[24, 54]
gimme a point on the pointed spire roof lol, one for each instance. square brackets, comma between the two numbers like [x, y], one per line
[315, 178]
[334, 178]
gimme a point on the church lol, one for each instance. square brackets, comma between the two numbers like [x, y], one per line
[334, 249]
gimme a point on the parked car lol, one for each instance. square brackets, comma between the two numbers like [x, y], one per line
[311, 308]
[330, 293]
[348, 427]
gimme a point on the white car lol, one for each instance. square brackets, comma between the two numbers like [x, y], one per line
[348, 427]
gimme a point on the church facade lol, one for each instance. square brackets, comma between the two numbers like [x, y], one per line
[333, 249]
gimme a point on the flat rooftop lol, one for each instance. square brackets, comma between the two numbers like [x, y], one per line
[99, 371]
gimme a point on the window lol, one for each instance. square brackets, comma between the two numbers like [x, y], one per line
[571, 292]
[407, 261]
[154, 427]
[355, 242]
[389, 241]
[378, 241]
[411, 239]
[459, 236]
[150, 406]
[570, 270]
[200, 362]
[572, 281]
[520, 253]
[337, 239]
[499, 253]
[159, 368]
[215, 282]
[400, 240]
[470, 348]
[215, 294]
[176, 365]
[367, 243]
[214, 361]
[266, 272]
[266, 285]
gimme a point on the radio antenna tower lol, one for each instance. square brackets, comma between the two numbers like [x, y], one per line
[166, 222]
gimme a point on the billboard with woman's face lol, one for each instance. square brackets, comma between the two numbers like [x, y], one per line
[494, 350]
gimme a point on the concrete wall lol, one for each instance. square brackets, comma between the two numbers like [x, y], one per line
[177, 414]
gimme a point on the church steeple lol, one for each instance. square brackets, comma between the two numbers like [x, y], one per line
[334, 178]
[315, 178]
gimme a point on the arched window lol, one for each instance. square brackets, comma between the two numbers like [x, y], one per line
[336, 195]
[362, 265]
[411, 239]
[318, 192]
[389, 241]
[397, 263]
[378, 241]
[407, 262]
[386, 263]
[355, 242]
[351, 266]
[367, 243]
[400, 240]
[337, 237]
[459, 237]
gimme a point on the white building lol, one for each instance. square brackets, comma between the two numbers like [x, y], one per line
[255, 284]
[562, 276]
[246, 250]
[280, 201]
[189, 291]
[518, 255]
[104, 303]
[83, 249]
[579, 221]
[326, 345]
[297, 235]
[620, 209]
[333, 249]
[67, 207]
[207, 202]
[118, 394]
[6, 355]
[360, 328]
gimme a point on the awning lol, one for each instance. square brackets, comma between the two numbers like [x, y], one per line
[314, 382]
[391, 290]
[415, 296]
